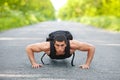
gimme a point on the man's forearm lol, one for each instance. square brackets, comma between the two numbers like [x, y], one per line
[30, 54]
[90, 55]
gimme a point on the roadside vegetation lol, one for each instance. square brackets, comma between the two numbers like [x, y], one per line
[99, 13]
[18, 13]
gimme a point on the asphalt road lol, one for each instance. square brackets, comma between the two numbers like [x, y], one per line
[14, 63]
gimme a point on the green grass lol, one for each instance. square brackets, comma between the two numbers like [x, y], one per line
[15, 19]
[18, 20]
[106, 22]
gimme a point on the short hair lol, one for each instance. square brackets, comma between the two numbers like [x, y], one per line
[60, 38]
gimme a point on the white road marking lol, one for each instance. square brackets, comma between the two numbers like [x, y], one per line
[20, 75]
[29, 76]
[16, 38]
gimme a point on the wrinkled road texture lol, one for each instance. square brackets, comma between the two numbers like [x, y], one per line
[15, 65]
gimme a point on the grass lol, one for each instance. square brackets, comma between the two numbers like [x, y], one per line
[15, 19]
[106, 22]
[19, 19]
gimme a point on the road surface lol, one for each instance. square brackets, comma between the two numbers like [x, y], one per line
[14, 63]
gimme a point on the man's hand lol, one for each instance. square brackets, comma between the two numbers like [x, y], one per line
[84, 66]
[35, 65]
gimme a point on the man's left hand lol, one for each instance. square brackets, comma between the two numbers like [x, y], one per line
[84, 66]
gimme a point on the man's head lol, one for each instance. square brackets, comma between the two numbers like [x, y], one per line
[60, 42]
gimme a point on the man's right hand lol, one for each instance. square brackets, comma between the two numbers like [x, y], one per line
[35, 65]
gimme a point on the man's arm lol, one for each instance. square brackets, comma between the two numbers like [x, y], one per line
[30, 49]
[90, 52]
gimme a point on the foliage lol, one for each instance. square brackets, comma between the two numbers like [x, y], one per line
[18, 13]
[78, 8]
[106, 22]
[105, 13]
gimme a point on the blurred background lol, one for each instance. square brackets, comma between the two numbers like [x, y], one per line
[103, 14]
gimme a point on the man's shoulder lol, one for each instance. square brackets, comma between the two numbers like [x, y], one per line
[45, 45]
[74, 41]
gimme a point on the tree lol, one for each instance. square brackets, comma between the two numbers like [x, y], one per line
[79, 8]
[23, 12]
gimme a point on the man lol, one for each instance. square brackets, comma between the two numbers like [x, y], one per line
[60, 43]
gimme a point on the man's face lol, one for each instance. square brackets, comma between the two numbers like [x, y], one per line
[60, 47]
